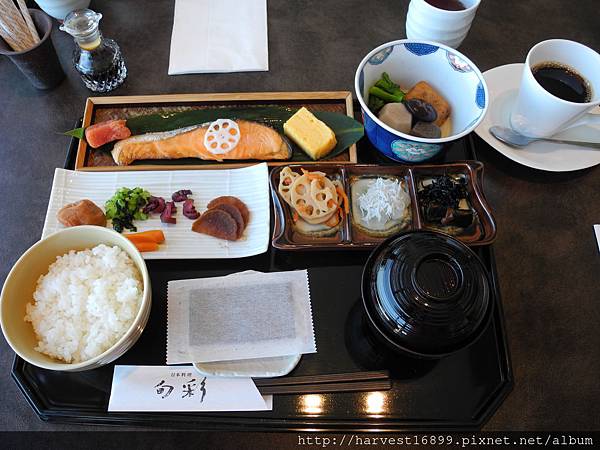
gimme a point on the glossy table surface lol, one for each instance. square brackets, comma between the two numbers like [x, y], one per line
[547, 258]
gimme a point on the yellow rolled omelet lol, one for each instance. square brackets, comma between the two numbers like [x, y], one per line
[310, 134]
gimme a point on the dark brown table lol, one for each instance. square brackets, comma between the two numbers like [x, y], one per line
[548, 261]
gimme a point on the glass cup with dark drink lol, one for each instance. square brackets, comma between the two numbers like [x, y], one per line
[559, 87]
[443, 21]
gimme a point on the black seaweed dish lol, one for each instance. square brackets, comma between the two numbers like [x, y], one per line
[426, 294]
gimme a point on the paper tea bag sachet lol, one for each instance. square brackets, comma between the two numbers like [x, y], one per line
[240, 316]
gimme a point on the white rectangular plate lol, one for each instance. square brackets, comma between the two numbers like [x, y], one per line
[249, 184]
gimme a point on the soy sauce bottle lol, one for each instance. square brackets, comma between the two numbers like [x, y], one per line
[98, 60]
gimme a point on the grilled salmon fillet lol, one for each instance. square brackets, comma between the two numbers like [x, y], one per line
[256, 141]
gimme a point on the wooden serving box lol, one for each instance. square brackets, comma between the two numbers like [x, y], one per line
[98, 109]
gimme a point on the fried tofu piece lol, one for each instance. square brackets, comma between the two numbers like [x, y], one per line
[425, 92]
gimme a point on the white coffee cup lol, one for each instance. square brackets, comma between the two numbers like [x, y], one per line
[426, 22]
[538, 113]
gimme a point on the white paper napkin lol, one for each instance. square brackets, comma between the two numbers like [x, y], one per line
[597, 231]
[219, 36]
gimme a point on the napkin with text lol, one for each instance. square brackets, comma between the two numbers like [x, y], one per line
[211, 36]
[240, 316]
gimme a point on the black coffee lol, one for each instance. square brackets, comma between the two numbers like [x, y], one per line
[562, 82]
[449, 5]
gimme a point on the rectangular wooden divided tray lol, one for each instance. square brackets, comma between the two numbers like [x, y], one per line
[99, 109]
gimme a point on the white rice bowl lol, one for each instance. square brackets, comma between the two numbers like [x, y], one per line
[85, 303]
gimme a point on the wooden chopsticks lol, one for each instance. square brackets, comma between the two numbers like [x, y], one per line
[337, 382]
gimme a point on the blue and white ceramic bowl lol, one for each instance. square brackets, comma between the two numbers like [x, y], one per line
[409, 61]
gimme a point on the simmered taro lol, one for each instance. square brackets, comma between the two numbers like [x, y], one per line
[397, 116]
[426, 130]
[443, 201]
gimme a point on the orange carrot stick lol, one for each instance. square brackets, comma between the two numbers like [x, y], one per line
[342, 194]
[146, 246]
[147, 236]
[333, 220]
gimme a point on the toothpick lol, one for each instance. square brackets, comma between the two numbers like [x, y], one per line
[13, 24]
[28, 21]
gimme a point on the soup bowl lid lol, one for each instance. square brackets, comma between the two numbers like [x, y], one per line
[426, 293]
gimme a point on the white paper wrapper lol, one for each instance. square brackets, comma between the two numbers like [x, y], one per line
[240, 316]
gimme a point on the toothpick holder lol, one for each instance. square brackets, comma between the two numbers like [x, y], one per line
[39, 64]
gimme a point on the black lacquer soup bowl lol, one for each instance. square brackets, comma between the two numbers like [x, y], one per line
[426, 294]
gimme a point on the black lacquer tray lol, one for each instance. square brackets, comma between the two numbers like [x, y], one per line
[459, 393]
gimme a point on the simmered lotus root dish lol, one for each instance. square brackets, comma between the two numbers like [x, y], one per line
[226, 218]
[313, 197]
[286, 178]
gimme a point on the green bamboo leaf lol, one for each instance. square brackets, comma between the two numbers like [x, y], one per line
[76, 133]
[347, 130]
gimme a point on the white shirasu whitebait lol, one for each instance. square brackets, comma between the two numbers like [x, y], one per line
[383, 199]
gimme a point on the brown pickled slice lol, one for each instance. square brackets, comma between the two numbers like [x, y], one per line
[217, 223]
[83, 212]
[235, 213]
[240, 205]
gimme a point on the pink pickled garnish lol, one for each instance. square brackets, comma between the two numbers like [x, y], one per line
[155, 205]
[181, 195]
[189, 210]
[166, 215]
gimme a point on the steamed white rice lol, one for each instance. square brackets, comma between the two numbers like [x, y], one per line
[85, 303]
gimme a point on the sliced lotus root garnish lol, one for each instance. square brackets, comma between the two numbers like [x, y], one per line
[222, 136]
[286, 177]
[314, 197]
[323, 194]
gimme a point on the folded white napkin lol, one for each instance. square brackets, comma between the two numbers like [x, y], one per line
[597, 231]
[219, 36]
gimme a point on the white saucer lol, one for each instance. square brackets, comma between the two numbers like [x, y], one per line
[503, 86]
[276, 366]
